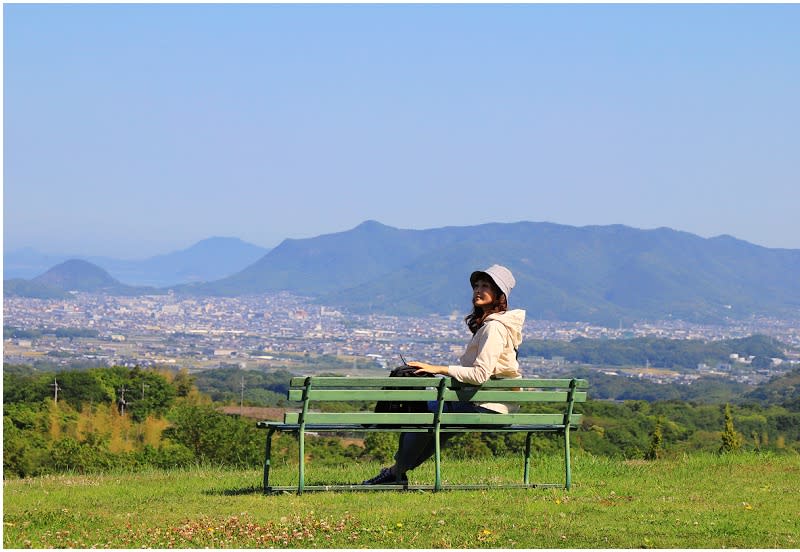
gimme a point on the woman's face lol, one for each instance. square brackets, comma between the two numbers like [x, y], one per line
[482, 293]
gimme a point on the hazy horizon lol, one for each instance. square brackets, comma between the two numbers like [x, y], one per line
[89, 252]
[180, 247]
[134, 130]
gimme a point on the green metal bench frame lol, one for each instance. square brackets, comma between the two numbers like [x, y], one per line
[314, 389]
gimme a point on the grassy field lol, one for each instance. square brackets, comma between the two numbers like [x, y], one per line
[700, 501]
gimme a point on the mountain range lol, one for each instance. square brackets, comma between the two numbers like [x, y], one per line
[601, 274]
[207, 260]
[73, 275]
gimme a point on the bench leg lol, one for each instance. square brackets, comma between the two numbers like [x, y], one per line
[437, 483]
[267, 459]
[568, 474]
[301, 435]
[527, 470]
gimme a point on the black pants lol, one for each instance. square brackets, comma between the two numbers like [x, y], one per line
[415, 448]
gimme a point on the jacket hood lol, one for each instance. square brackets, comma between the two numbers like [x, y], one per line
[513, 320]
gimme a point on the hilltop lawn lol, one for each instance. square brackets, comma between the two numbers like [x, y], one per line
[699, 501]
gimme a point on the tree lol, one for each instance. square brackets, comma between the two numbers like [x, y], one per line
[149, 392]
[78, 388]
[26, 388]
[146, 391]
[183, 383]
[215, 438]
[731, 441]
[655, 450]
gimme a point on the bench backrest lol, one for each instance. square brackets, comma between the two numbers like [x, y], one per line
[559, 395]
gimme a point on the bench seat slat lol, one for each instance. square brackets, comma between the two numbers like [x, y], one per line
[506, 419]
[350, 383]
[364, 395]
[504, 395]
[472, 395]
[427, 418]
[419, 428]
[359, 418]
[367, 383]
[533, 383]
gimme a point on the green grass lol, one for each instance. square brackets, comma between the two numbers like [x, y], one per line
[699, 501]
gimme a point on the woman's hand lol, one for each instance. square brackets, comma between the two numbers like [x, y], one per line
[423, 367]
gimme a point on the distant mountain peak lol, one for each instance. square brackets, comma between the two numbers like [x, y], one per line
[372, 225]
[77, 274]
[220, 239]
[218, 242]
[730, 239]
[78, 265]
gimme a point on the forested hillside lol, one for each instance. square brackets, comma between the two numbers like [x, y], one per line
[166, 421]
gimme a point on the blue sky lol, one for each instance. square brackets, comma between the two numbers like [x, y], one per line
[137, 129]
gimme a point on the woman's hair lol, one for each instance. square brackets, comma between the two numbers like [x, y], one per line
[477, 317]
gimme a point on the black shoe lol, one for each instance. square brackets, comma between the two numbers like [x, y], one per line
[386, 477]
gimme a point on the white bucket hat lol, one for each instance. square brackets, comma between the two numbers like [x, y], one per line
[500, 275]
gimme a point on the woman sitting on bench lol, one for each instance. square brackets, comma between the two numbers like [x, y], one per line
[491, 353]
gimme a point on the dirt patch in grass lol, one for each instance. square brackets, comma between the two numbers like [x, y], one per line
[256, 412]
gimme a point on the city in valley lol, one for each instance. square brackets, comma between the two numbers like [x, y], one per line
[284, 330]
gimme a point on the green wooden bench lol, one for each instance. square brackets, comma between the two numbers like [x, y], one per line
[559, 394]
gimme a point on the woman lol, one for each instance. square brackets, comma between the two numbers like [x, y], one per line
[496, 336]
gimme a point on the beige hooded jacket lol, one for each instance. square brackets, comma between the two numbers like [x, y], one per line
[492, 352]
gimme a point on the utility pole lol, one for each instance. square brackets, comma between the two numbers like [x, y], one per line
[121, 402]
[55, 387]
[143, 386]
